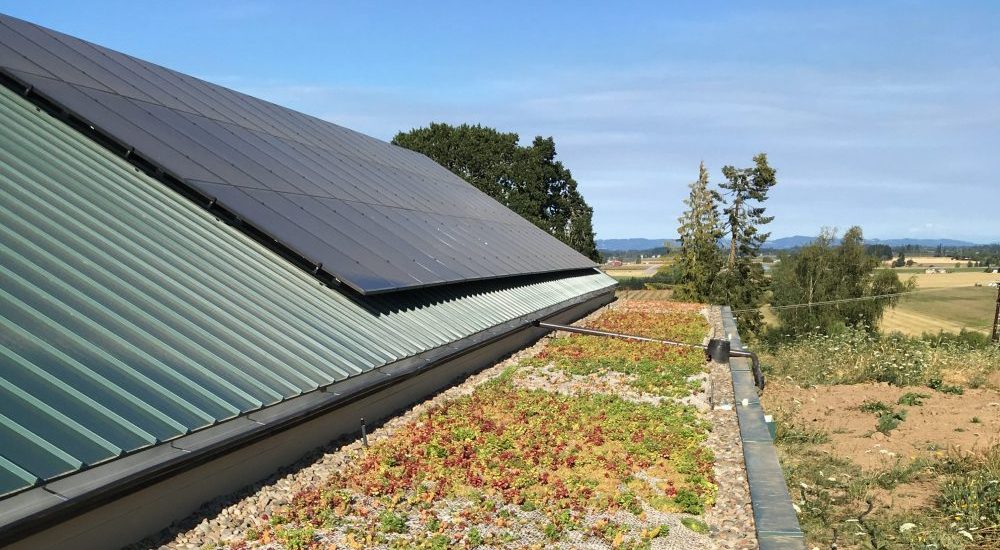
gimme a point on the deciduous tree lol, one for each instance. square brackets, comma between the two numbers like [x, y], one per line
[526, 179]
[845, 274]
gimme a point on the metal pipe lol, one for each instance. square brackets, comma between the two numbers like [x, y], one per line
[717, 349]
[595, 332]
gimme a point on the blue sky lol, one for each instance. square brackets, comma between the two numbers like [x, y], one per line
[881, 114]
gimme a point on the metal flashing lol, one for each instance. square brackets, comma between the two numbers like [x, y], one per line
[774, 517]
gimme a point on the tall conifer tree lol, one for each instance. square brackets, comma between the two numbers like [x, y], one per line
[742, 283]
[700, 258]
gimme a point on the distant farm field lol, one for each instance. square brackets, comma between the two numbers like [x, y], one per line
[914, 270]
[951, 280]
[949, 310]
[645, 295]
[927, 261]
[645, 269]
[954, 303]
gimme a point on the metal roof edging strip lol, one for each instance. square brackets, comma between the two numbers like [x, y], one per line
[775, 520]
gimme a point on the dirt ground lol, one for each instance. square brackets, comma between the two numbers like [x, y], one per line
[943, 422]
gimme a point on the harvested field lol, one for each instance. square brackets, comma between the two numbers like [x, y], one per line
[645, 295]
[952, 280]
[947, 309]
[937, 261]
[577, 442]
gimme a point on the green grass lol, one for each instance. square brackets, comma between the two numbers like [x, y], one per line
[790, 433]
[889, 421]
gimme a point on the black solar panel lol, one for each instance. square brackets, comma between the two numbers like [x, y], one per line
[376, 216]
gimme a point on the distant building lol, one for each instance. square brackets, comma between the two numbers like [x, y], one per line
[933, 269]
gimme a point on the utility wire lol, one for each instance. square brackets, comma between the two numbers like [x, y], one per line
[843, 300]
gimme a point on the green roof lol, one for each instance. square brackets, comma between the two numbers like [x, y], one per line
[130, 316]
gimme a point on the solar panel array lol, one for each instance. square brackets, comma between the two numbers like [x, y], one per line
[129, 316]
[378, 217]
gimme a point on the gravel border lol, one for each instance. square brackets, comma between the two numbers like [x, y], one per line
[731, 519]
[225, 519]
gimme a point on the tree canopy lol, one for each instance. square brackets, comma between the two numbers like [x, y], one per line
[822, 272]
[526, 179]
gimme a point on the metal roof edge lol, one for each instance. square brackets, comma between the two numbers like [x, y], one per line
[44, 506]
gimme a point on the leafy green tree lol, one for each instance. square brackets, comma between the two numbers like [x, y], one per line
[700, 259]
[880, 251]
[526, 179]
[845, 274]
[741, 283]
[900, 261]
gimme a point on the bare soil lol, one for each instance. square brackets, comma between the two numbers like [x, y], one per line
[943, 422]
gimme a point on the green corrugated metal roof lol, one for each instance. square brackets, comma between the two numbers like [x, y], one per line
[129, 316]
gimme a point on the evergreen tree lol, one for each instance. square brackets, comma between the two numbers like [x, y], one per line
[742, 283]
[526, 179]
[700, 259]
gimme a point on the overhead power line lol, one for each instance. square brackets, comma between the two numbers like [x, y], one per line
[844, 300]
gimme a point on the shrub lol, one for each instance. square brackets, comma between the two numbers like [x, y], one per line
[912, 399]
[889, 421]
[876, 407]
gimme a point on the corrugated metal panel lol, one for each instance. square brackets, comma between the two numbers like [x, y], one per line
[376, 216]
[128, 316]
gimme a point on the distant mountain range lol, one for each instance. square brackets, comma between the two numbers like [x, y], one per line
[618, 245]
[783, 243]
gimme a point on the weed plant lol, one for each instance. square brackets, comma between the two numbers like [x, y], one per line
[856, 356]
